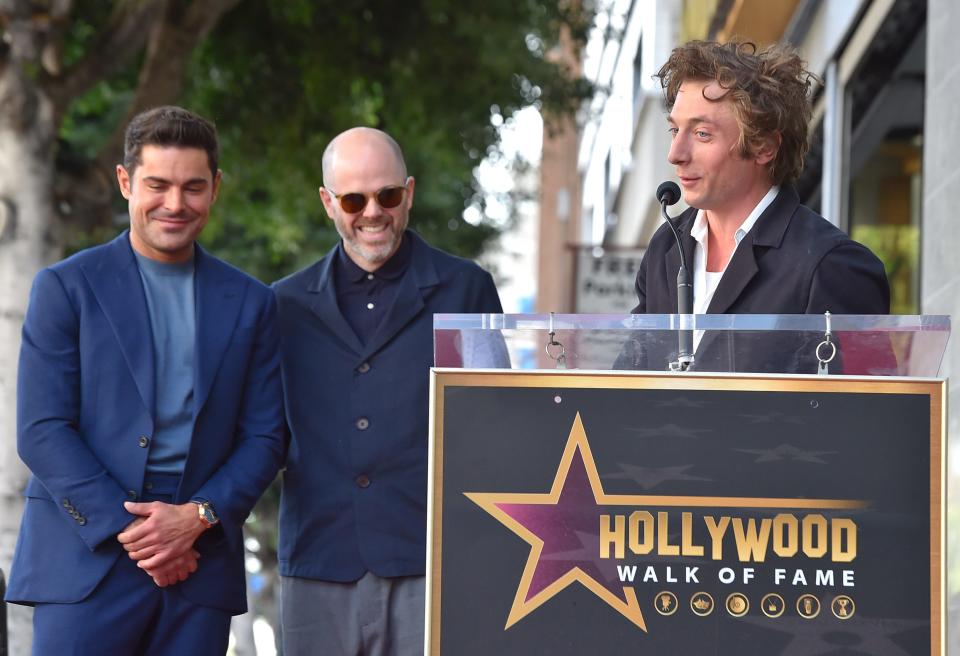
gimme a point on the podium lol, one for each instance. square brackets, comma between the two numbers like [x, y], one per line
[783, 495]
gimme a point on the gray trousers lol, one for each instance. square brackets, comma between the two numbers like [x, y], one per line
[370, 617]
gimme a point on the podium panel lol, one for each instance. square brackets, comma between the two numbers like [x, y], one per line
[621, 513]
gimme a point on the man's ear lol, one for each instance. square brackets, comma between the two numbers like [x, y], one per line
[328, 201]
[216, 186]
[768, 149]
[411, 184]
[123, 179]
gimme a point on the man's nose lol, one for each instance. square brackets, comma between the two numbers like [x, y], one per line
[372, 208]
[679, 149]
[173, 199]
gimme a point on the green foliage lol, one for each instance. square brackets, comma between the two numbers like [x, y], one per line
[281, 79]
[93, 116]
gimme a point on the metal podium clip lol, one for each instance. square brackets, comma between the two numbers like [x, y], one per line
[823, 368]
[561, 355]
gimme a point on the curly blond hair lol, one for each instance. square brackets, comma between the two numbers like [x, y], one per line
[770, 89]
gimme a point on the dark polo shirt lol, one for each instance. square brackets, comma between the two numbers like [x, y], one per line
[365, 298]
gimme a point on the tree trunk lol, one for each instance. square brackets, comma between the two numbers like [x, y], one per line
[27, 222]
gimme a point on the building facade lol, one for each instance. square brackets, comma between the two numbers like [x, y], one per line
[884, 162]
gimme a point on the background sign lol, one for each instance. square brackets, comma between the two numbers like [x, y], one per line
[606, 280]
[577, 514]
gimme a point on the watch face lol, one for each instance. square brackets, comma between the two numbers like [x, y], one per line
[208, 514]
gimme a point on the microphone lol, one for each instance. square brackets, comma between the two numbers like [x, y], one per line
[668, 193]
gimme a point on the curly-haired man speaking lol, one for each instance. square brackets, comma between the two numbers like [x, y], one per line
[738, 118]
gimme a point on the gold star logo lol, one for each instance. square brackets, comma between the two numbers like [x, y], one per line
[551, 524]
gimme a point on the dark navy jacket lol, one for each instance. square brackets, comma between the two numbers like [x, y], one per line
[355, 488]
[793, 261]
[85, 403]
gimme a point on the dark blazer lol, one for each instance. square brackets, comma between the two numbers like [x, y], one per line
[793, 261]
[355, 488]
[85, 403]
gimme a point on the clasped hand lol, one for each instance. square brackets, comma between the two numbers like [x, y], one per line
[161, 540]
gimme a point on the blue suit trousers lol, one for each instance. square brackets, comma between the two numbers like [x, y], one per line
[128, 615]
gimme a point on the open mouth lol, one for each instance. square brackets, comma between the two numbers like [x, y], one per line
[373, 229]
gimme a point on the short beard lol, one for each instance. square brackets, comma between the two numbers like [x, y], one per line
[378, 256]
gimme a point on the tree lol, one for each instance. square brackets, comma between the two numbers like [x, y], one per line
[280, 79]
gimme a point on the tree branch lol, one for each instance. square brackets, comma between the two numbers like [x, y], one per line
[170, 37]
[19, 35]
[52, 54]
[114, 48]
[184, 25]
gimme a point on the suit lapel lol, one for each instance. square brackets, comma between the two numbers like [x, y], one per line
[219, 298]
[324, 304]
[419, 277]
[767, 232]
[116, 283]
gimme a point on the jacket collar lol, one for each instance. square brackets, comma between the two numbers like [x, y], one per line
[416, 284]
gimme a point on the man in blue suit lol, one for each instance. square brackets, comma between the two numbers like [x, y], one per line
[357, 342]
[149, 412]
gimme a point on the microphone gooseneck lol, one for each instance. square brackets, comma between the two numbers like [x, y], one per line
[668, 193]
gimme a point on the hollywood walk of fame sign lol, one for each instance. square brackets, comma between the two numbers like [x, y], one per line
[576, 513]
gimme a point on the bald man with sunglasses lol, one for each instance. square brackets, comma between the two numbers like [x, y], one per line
[357, 341]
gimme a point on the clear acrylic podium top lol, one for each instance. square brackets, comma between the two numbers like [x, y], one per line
[871, 345]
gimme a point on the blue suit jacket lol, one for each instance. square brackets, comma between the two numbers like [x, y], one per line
[355, 488]
[85, 400]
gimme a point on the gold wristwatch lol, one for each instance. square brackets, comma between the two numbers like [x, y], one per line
[208, 516]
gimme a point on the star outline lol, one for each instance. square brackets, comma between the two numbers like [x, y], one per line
[521, 607]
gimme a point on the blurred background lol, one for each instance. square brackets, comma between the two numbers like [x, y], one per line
[534, 128]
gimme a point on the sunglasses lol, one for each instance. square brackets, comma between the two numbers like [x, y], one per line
[387, 198]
